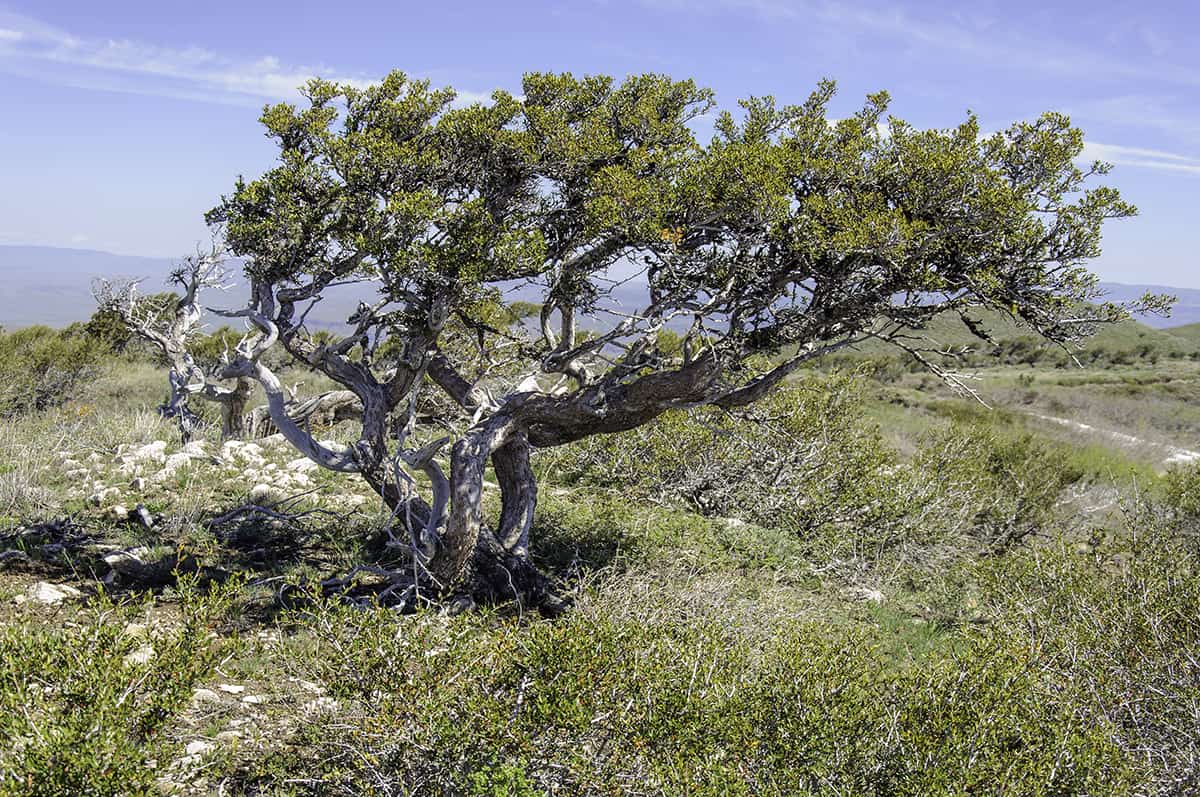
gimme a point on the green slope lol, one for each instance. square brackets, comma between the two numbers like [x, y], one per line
[1127, 340]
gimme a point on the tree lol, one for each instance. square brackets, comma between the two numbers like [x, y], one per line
[786, 237]
[170, 322]
[169, 325]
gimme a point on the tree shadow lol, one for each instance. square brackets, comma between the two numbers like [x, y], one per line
[288, 557]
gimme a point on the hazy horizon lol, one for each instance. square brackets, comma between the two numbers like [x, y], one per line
[132, 123]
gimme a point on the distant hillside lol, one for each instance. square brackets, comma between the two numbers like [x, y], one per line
[1187, 332]
[1118, 342]
[53, 286]
[46, 285]
[1185, 311]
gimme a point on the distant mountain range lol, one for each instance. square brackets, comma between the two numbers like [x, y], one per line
[53, 286]
[50, 285]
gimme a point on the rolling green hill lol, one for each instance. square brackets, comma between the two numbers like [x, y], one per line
[1190, 333]
[1122, 342]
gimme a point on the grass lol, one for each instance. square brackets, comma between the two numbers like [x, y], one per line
[893, 650]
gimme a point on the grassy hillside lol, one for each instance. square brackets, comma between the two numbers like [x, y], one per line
[1186, 332]
[1124, 342]
[859, 588]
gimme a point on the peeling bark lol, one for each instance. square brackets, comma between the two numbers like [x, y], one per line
[518, 494]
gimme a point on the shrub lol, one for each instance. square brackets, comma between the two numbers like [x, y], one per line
[41, 367]
[997, 483]
[810, 462]
[669, 705]
[84, 703]
[1116, 634]
[803, 458]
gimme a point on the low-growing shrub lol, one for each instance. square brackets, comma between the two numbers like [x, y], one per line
[665, 705]
[803, 458]
[83, 704]
[41, 367]
[1117, 638]
[810, 462]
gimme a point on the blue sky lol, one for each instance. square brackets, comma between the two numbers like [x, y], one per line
[124, 121]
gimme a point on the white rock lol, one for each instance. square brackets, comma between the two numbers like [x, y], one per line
[172, 465]
[255, 699]
[205, 696]
[45, 592]
[132, 560]
[140, 656]
[138, 484]
[301, 465]
[151, 452]
[264, 492]
[233, 689]
[196, 448]
[103, 496]
[198, 747]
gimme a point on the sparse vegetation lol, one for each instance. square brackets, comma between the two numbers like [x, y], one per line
[944, 622]
[721, 543]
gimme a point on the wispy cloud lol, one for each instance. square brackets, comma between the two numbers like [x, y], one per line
[31, 48]
[979, 37]
[1169, 115]
[1140, 157]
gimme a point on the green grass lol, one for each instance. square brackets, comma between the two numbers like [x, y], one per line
[890, 648]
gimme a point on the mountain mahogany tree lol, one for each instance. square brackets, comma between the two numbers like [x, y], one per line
[170, 322]
[782, 237]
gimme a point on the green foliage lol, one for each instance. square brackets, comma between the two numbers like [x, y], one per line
[441, 203]
[108, 326]
[84, 704]
[1004, 481]
[809, 462]
[591, 704]
[41, 367]
[803, 458]
[1116, 632]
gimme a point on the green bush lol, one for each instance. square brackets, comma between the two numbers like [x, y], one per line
[1117, 638]
[84, 704]
[999, 484]
[809, 461]
[41, 367]
[670, 706]
[803, 458]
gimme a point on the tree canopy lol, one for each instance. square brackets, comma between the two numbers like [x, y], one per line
[783, 237]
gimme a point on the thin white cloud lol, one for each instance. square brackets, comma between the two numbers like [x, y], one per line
[1172, 116]
[30, 48]
[978, 37]
[1140, 157]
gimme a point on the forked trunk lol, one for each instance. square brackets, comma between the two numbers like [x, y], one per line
[492, 565]
[233, 410]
